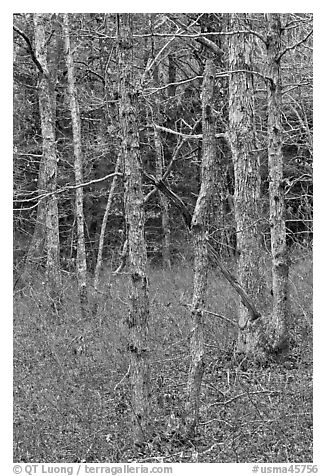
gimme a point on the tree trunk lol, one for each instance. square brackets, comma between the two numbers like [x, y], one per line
[78, 168]
[160, 159]
[222, 214]
[46, 105]
[247, 178]
[36, 250]
[135, 219]
[199, 232]
[276, 186]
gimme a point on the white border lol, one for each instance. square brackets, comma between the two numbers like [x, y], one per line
[319, 194]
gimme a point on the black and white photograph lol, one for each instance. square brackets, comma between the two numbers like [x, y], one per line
[162, 241]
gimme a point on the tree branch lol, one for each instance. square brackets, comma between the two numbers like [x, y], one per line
[29, 48]
[234, 323]
[173, 198]
[169, 167]
[173, 84]
[64, 189]
[91, 71]
[187, 136]
[289, 48]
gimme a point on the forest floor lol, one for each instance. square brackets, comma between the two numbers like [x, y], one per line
[71, 378]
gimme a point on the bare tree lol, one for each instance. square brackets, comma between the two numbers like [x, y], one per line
[134, 214]
[47, 108]
[276, 184]
[200, 242]
[246, 162]
[78, 168]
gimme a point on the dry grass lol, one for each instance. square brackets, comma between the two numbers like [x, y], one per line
[71, 397]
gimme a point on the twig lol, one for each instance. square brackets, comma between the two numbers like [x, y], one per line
[216, 315]
[155, 90]
[125, 376]
[221, 317]
[211, 421]
[246, 394]
[186, 136]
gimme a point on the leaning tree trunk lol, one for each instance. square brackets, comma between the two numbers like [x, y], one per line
[199, 236]
[247, 178]
[46, 106]
[276, 187]
[104, 222]
[134, 212]
[78, 167]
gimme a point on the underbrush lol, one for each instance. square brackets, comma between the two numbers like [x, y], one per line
[71, 394]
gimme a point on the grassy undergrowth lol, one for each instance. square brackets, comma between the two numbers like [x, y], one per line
[71, 387]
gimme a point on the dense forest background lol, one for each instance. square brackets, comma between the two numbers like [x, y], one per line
[191, 115]
[171, 91]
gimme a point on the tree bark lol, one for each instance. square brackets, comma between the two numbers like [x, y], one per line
[78, 168]
[47, 108]
[134, 212]
[222, 221]
[246, 163]
[199, 235]
[276, 186]
[36, 250]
